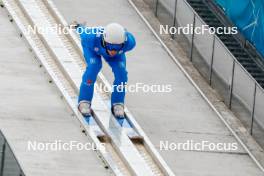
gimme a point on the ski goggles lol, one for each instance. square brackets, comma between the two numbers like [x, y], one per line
[113, 47]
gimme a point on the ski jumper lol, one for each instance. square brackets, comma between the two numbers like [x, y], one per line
[93, 50]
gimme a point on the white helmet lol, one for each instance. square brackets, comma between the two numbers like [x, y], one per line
[114, 33]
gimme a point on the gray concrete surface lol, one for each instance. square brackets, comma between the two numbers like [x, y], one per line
[177, 116]
[31, 110]
[180, 48]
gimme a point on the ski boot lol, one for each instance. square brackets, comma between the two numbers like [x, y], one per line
[85, 109]
[118, 112]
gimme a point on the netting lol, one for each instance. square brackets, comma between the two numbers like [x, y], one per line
[248, 16]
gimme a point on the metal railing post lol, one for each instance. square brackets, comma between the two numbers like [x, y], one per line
[174, 16]
[231, 86]
[156, 8]
[212, 62]
[192, 44]
[253, 109]
[3, 159]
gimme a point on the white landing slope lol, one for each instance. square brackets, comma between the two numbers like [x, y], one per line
[31, 110]
[177, 116]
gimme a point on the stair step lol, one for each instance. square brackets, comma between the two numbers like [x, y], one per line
[204, 12]
[226, 38]
[199, 5]
[260, 80]
[195, 1]
[257, 75]
[253, 70]
[247, 63]
[233, 46]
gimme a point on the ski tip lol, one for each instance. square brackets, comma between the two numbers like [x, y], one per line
[121, 121]
[137, 139]
[87, 119]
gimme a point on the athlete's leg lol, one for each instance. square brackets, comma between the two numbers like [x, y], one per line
[94, 65]
[118, 66]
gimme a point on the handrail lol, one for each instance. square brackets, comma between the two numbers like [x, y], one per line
[223, 45]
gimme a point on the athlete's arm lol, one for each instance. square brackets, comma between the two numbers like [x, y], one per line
[130, 42]
[86, 39]
[84, 35]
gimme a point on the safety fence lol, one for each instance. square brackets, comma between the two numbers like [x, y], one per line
[250, 21]
[8, 163]
[216, 63]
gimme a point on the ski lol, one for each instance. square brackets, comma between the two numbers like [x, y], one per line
[126, 125]
[95, 128]
[129, 129]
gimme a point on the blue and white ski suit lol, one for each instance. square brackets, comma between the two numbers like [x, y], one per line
[93, 49]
